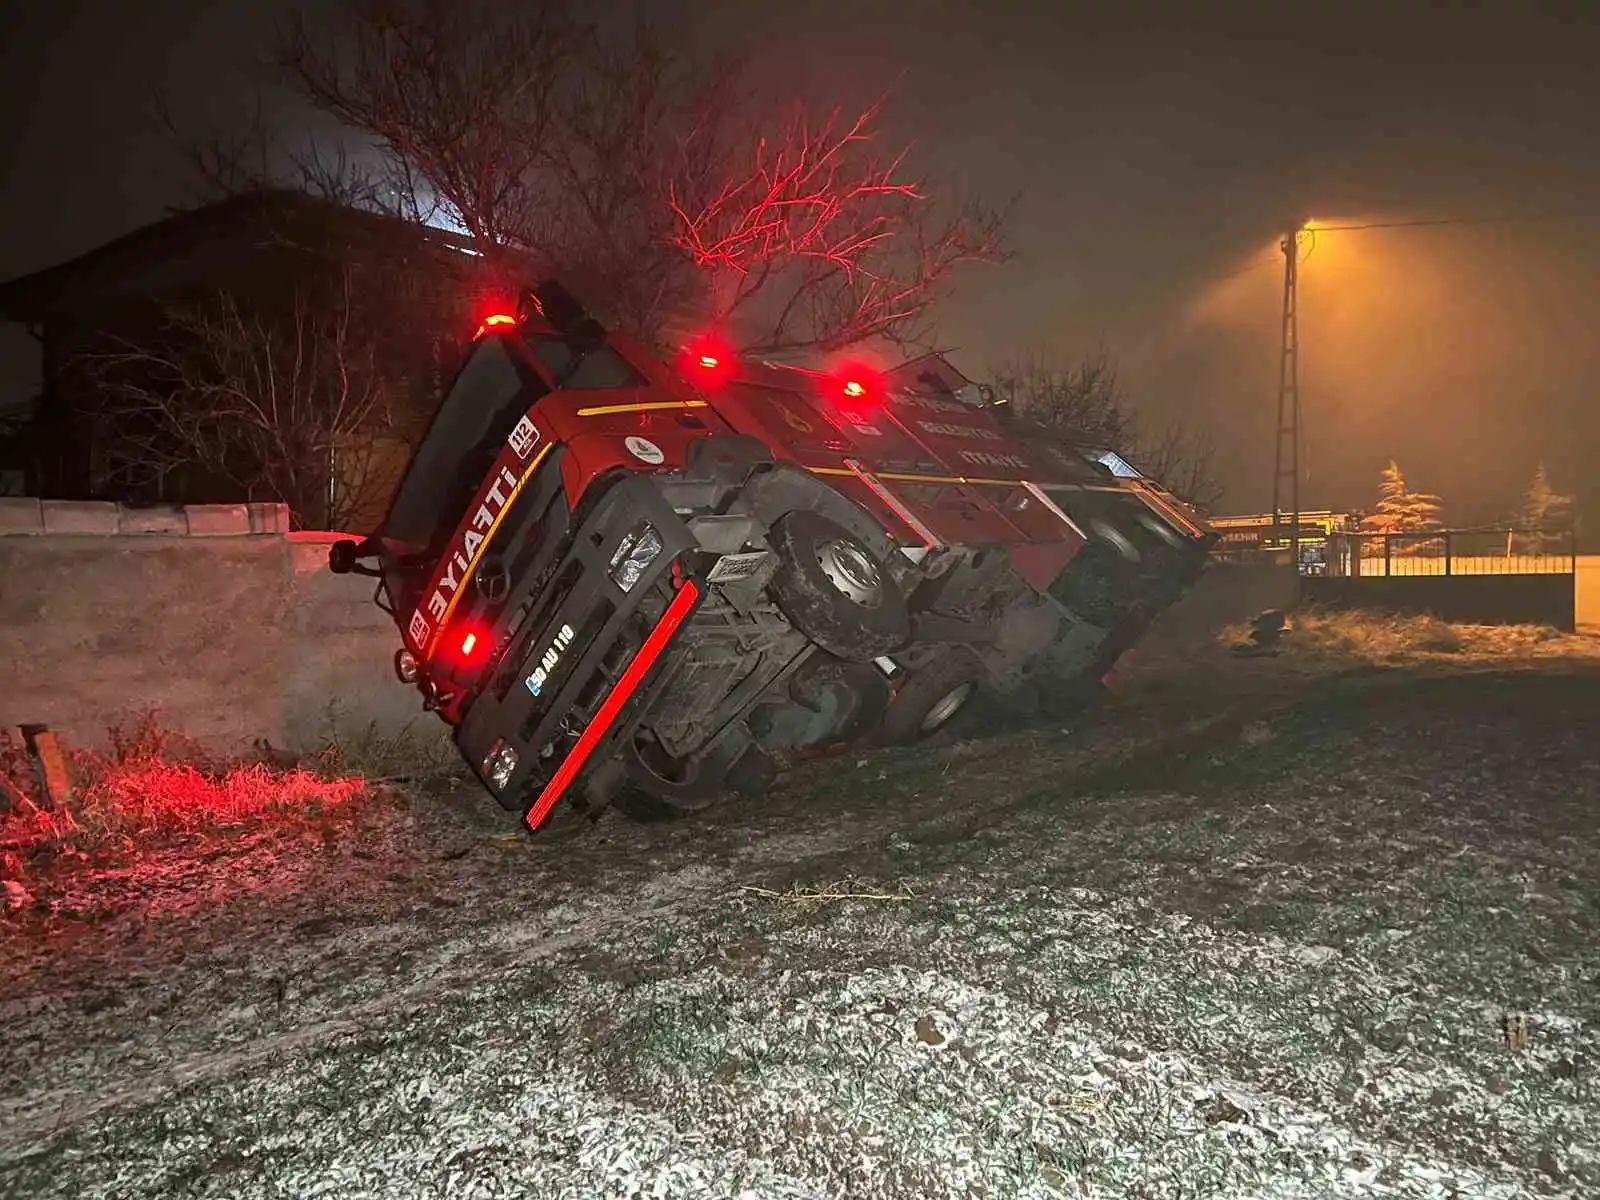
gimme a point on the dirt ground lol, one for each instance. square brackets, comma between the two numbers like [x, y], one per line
[1325, 924]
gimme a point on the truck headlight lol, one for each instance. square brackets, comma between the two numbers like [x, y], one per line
[499, 765]
[635, 554]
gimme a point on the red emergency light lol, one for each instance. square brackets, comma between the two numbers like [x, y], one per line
[857, 385]
[470, 645]
[708, 359]
[494, 321]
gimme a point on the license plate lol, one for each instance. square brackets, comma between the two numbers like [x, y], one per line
[731, 568]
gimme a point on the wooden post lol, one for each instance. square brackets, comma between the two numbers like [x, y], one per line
[17, 774]
[52, 762]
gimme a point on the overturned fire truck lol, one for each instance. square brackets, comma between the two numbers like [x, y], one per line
[617, 576]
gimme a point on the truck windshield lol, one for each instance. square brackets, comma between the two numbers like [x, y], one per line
[488, 399]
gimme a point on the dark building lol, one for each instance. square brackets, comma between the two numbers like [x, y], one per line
[412, 291]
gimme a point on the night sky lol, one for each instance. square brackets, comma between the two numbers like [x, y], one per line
[1156, 152]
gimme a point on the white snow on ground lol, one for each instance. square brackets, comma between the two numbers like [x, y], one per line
[834, 1080]
[1135, 993]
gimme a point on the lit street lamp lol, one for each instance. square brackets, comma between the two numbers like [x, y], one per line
[1289, 403]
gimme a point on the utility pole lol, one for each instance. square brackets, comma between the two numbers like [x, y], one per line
[1286, 464]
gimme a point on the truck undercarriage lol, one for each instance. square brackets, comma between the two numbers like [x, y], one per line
[617, 577]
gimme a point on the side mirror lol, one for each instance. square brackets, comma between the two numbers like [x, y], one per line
[342, 556]
[345, 555]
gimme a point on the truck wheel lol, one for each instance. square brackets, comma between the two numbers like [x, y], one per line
[833, 590]
[930, 699]
[660, 786]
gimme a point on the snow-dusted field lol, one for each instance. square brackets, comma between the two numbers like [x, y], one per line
[1227, 942]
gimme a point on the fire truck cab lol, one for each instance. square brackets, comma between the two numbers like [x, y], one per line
[615, 574]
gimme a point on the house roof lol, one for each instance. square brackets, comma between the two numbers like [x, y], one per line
[203, 246]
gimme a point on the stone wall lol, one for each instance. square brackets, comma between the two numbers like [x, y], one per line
[231, 628]
[1588, 598]
[216, 617]
[1462, 599]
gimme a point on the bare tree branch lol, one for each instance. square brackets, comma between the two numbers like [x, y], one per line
[460, 94]
[1086, 403]
[835, 242]
[279, 408]
[640, 121]
[1183, 460]
[248, 155]
[649, 175]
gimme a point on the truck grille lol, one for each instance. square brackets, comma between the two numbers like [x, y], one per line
[553, 658]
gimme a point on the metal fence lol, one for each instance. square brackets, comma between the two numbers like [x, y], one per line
[1451, 552]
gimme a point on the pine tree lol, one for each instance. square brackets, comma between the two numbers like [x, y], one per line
[1545, 514]
[1400, 510]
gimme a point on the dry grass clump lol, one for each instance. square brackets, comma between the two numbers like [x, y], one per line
[1374, 634]
[1528, 639]
[420, 758]
[153, 785]
[1370, 636]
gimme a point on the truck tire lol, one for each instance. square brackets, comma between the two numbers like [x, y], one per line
[833, 590]
[659, 787]
[749, 775]
[930, 699]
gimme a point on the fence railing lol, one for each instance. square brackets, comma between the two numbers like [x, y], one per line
[1451, 552]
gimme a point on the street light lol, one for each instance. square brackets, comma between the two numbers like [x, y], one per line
[1289, 401]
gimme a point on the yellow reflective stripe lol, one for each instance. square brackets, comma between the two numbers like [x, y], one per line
[1158, 502]
[472, 563]
[901, 477]
[1087, 487]
[977, 482]
[646, 406]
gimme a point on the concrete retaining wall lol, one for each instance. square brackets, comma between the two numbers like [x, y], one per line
[231, 628]
[1232, 593]
[78, 517]
[1588, 598]
[214, 616]
[1466, 599]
